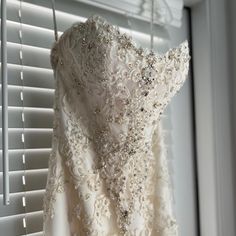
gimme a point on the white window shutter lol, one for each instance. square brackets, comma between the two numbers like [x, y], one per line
[30, 121]
[167, 12]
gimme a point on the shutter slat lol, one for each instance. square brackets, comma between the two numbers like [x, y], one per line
[33, 76]
[33, 97]
[33, 117]
[33, 138]
[33, 202]
[34, 222]
[32, 56]
[13, 226]
[31, 35]
[34, 159]
[35, 180]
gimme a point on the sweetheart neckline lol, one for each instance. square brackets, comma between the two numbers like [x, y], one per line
[146, 51]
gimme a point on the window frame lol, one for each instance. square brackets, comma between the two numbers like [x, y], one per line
[213, 117]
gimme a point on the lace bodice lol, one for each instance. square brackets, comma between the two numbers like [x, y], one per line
[109, 97]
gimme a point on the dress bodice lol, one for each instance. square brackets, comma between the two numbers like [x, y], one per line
[109, 99]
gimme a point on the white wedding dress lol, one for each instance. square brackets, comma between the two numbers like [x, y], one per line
[108, 172]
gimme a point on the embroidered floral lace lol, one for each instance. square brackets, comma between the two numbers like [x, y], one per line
[108, 173]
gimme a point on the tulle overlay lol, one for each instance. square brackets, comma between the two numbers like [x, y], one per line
[108, 168]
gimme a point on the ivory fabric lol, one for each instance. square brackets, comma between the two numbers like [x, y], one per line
[108, 172]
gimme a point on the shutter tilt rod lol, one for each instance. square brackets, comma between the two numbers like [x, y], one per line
[151, 24]
[5, 163]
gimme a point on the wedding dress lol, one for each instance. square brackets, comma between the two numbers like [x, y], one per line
[108, 173]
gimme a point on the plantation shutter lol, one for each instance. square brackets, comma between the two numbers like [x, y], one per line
[30, 98]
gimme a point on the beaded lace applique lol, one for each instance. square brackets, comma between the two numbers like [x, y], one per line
[109, 98]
